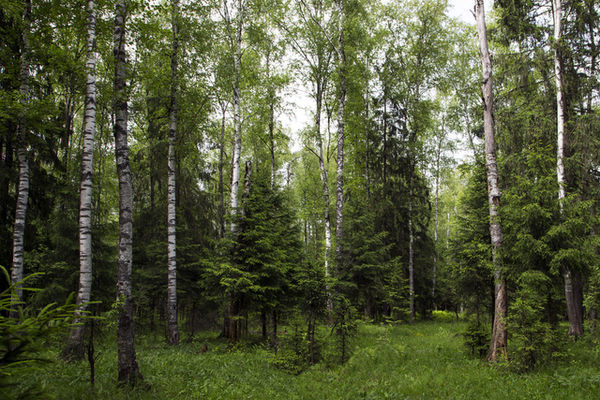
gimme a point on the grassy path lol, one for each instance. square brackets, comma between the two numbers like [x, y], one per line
[423, 361]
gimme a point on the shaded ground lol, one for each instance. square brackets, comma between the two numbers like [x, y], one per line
[423, 361]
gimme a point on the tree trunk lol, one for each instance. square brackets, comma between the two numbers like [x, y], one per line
[237, 148]
[75, 348]
[436, 221]
[128, 371]
[22, 157]
[274, 343]
[323, 167]
[572, 292]
[498, 342]
[173, 328]
[221, 188]
[271, 93]
[339, 212]
[411, 252]
[367, 129]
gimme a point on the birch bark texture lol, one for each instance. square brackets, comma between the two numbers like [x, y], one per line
[236, 46]
[173, 329]
[128, 371]
[572, 284]
[499, 339]
[75, 348]
[23, 160]
[339, 212]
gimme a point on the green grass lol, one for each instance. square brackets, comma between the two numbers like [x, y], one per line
[422, 361]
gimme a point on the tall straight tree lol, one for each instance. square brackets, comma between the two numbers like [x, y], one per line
[173, 330]
[23, 188]
[128, 371]
[499, 340]
[339, 208]
[574, 312]
[235, 43]
[75, 348]
[317, 53]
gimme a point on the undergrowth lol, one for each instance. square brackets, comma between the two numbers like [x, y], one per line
[426, 360]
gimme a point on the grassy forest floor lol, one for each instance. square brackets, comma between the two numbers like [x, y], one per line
[427, 360]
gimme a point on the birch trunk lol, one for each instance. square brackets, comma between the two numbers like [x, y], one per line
[572, 290]
[173, 328]
[221, 188]
[128, 371]
[436, 221]
[22, 158]
[411, 252]
[339, 212]
[499, 341]
[75, 348]
[323, 167]
[237, 147]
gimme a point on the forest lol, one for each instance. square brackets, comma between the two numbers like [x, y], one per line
[298, 199]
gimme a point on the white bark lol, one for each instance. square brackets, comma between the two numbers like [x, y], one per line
[23, 187]
[237, 147]
[339, 214]
[411, 255]
[128, 371]
[560, 111]
[572, 291]
[173, 329]
[436, 221]
[498, 343]
[75, 347]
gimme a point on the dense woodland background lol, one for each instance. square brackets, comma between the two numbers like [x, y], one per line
[377, 209]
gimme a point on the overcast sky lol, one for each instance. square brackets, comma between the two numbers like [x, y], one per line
[462, 9]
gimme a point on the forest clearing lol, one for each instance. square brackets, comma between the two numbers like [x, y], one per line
[299, 199]
[427, 360]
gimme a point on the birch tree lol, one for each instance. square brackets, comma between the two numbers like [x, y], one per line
[312, 43]
[75, 349]
[234, 33]
[23, 160]
[128, 371]
[341, 59]
[574, 312]
[173, 330]
[498, 342]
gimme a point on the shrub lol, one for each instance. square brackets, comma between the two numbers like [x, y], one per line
[24, 336]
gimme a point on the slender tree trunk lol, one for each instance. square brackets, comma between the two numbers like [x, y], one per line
[237, 148]
[560, 111]
[271, 99]
[128, 371]
[22, 158]
[339, 213]
[574, 308]
[411, 252]
[221, 188]
[498, 342]
[274, 343]
[173, 328]
[247, 184]
[435, 228]
[323, 167]
[367, 128]
[75, 347]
